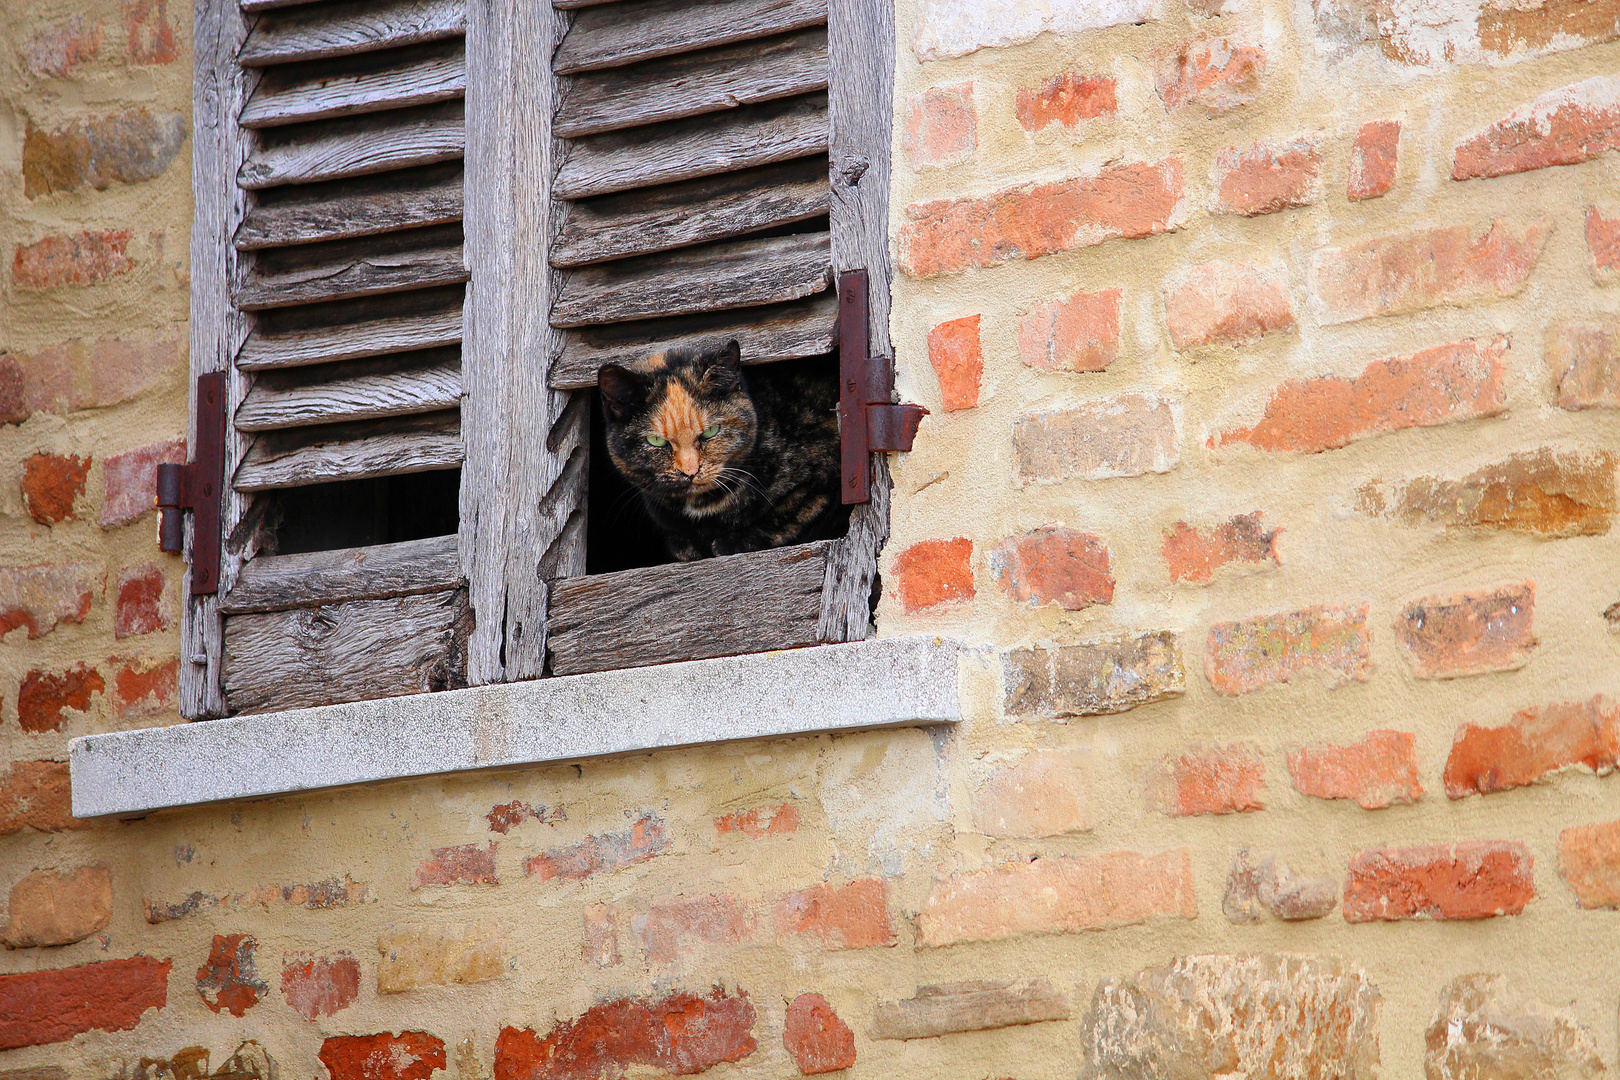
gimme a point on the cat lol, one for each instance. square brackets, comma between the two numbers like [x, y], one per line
[726, 461]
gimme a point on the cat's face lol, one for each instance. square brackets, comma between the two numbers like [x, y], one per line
[679, 424]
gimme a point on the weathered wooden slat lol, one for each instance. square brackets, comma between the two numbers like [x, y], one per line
[281, 582]
[571, 5]
[387, 332]
[691, 212]
[687, 611]
[327, 30]
[784, 332]
[713, 80]
[711, 278]
[703, 146]
[353, 390]
[393, 262]
[255, 6]
[349, 208]
[357, 146]
[611, 36]
[279, 459]
[351, 651]
[435, 73]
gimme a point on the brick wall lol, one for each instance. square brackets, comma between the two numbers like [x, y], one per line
[1273, 353]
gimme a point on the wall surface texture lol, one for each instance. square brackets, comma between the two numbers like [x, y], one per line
[1273, 355]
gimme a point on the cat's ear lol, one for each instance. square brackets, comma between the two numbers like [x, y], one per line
[622, 390]
[722, 366]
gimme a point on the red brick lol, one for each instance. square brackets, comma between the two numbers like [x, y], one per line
[952, 235]
[43, 700]
[36, 795]
[51, 484]
[13, 390]
[1077, 334]
[41, 1007]
[1603, 241]
[934, 572]
[953, 349]
[682, 1033]
[410, 1055]
[87, 374]
[1379, 771]
[597, 854]
[1374, 159]
[153, 36]
[1329, 640]
[145, 687]
[43, 597]
[55, 907]
[1473, 880]
[317, 986]
[464, 864]
[505, 817]
[667, 930]
[142, 607]
[1427, 268]
[941, 126]
[1589, 860]
[758, 821]
[1128, 435]
[126, 148]
[1442, 385]
[1535, 743]
[1267, 177]
[1209, 780]
[819, 1041]
[229, 980]
[61, 49]
[1054, 566]
[1194, 554]
[1066, 99]
[72, 259]
[1584, 356]
[1052, 894]
[1514, 32]
[1443, 637]
[1226, 303]
[850, 916]
[1215, 74]
[1561, 127]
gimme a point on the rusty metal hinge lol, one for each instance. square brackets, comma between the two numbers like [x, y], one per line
[868, 419]
[197, 487]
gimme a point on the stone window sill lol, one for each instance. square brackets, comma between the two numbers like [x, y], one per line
[898, 682]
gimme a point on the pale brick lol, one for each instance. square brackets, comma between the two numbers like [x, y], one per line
[1444, 637]
[37, 795]
[1469, 31]
[1128, 435]
[62, 48]
[129, 481]
[125, 148]
[1255, 887]
[1080, 333]
[1208, 780]
[1267, 177]
[671, 929]
[934, 572]
[58, 907]
[1374, 159]
[1584, 356]
[947, 28]
[854, 915]
[1093, 678]
[1535, 743]
[153, 37]
[969, 1006]
[145, 687]
[1572, 124]
[1479, 879]
[1330, 641]
[601, 935]
[644, 839]
[41, 598]
[1379, 771]
[1054, 566]
[1544, 492]
[1217, 75]
[958, 361]
[1226, 303]
[942, 126]
[1067, 99]
[83, 258]
[317, 986]
[1484, 1032]
[415, 955]
[1603, 241]
[1589, 860]
[1194, 554]
[87, 374]
[1044, 794]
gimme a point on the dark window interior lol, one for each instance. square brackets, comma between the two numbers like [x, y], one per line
[359, 513]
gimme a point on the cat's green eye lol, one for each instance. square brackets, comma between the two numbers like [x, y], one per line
[711, 432]
[657, 440]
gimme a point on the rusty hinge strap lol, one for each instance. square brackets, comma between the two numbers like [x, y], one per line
[198, 487]
[868, 421]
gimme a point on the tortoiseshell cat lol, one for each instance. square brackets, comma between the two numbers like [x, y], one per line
[726, 461]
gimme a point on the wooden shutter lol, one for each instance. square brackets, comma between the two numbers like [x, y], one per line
[329, 278]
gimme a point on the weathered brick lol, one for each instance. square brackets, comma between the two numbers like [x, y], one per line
[1054, 565]
[1067, 99]
[36, 795]
[1544, 492]
[1214, 74]
[601, 935]
[153, 37]
[1469, 31]
[958, 360]
[58, 907]
[410, 1055]
[1511, 31]
[1603, 241]
[969, 1006]
[1589, 860]
[681, 1033]
[1043, 794]
[817, 1039]
[41, 598]
[1379, 771]
[52, 1006]
[1255, 887]
[1267, 177]
[1483, 1032]
[1038, 895]
[334, 892]
[1208, 780]
[942, 126]
[597, 854]
[1226, 303]
[854, 915]
[760, 821]
[934, 572]
[1444, 637]
[504, 817]
[13, 390]
[317, 986]
[1561, 127]
[1093, 678]
[51, 484]
[669, 929]
[87, 374]
[126, 148]
[1474, 880]
[464, 864]
[947, 28]
[229, 979]
[1077, 334]
[43, 699]
[142, 606]
[62, 48]
[1265, 1017]
[145, 687]
[1441, 385]
[1328, 640]
[1374, 158]
[1537, 742]
[1584, 355]
[1194, 554]
[416, 955]
[1120, 201]
[72, 259]
[1128, 435]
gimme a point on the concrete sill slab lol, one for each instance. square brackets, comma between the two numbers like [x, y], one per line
[896, 682]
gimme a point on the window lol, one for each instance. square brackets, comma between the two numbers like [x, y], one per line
[421, 227]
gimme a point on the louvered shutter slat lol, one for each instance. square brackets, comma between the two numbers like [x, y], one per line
[360, 390]
[439, 74]
[625, 33]
[275, 582]
[301, 457]
[431, 196]
[345, 269]
[323, 31]
[300, 348]
[358, 147]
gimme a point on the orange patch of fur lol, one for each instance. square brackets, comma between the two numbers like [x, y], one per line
[680, 421]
